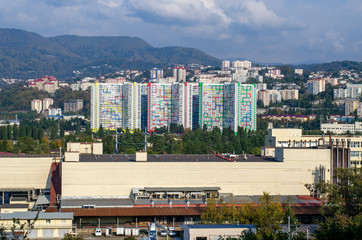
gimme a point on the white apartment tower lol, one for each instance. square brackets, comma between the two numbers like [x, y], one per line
[179, 73]
[47, 102]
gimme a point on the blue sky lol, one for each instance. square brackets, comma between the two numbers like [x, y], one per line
[269, 31]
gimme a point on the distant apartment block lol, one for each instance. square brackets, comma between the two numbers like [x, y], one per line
[73, 105]
[315, 86]
[46, 83]
[47, 102]
[53, 112]
[179, 73]
[241, 64]
[37, 105]
[298, 71]
[350, 106]
[225, 64]
[351, 91]
[275, 96]
[359, 109]
[274, 73]
[156, 73]
[155, 105]
[80, 86]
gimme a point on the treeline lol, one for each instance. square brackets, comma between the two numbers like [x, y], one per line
[198, 141]
[267, 216]
[17, 97]
[32, 137]
[341, 211]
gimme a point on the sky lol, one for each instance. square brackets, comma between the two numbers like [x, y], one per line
[264, 31]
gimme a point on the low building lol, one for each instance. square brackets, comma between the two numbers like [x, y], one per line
[214, 231]
[11, 208]
[46, 225]
[338, 128]
[293, 137]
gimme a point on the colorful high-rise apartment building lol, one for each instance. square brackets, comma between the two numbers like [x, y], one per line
[115, 106]
[154, 105]
[227, 105]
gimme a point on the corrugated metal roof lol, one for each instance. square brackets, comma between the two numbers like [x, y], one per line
[74, 203]
[140, 211]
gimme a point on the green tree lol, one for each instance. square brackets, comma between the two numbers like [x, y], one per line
[101, 132]
[27, 145]
[108, 144]
[268, 216]
[15, 132]
[343, 205]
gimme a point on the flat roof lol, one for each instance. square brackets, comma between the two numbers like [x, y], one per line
[32, 215]
[180, 189]
[111, 202]
[14, 206]
[169, 158]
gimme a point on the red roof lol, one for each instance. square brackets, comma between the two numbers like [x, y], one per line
[130, 212]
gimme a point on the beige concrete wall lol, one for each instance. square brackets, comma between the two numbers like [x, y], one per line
[25, 173]
[240, 178]
[12, 210]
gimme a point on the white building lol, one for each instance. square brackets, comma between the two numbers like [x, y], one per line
[298, 71]
[315, 86]
[341, 128]
[225, 64]
[36, 105]
[241, 64]
[179, 73]
[47, 102]
[351, 91]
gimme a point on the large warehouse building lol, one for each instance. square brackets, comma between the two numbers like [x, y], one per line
[139, 188]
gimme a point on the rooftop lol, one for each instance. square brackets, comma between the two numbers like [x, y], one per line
[32, 215]
[169, 158]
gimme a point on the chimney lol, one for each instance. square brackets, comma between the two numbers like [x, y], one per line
[141, 156]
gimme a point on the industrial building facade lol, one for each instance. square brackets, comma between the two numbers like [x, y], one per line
[154, 105]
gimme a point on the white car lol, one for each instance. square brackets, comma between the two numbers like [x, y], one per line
[171, 231]
[98, 232]
[163, 233]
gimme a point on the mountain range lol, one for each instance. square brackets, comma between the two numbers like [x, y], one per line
[26, 55]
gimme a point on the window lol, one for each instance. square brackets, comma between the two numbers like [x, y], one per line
[354, 154]
[48, 221]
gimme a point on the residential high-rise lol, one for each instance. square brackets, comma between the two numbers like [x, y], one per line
[225, 64]
[227, 105]
[115, 106]
[156, 73]
[179, 73]
[73, 105]
[36, 105]
[47, 102]
[155, 105]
